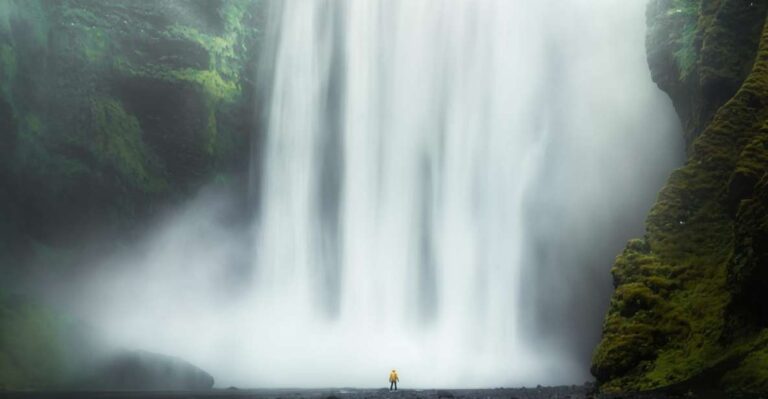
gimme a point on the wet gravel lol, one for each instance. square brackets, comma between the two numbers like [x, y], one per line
[562, 392]
[565, 392]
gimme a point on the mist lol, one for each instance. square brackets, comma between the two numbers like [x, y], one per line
[436, 186]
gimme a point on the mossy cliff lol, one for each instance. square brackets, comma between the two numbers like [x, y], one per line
[44, 349]
[38, 347]
[111, 109]
[689, 307]
[109, 112]
[700, 51]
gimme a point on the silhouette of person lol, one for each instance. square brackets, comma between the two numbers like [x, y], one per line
[393, 379]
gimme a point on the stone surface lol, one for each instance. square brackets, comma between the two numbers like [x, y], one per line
[112, 110]
[687, 311]
[146, 371]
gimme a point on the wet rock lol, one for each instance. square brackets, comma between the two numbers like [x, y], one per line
[111, 110]
[140, 370]
[688, 295]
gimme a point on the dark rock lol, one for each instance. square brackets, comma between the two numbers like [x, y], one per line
[700, 52]
[688, 310]
[112, 111]
[140, 370]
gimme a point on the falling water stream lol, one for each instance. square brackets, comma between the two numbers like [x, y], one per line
[403, 140]
[400, 145]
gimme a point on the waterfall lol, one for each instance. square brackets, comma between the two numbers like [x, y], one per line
[439, 185]
[400, 145]
[402, 138]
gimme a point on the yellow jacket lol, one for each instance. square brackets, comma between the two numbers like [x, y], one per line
[393, 376]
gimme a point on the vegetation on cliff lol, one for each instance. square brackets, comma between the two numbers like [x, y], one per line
[700, 51]
[110, 109]
[39, 348]
[687, 310]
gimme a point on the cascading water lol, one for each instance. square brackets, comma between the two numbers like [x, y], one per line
[400, 145]
[404, 139]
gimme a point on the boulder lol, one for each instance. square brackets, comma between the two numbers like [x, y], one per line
[147, 371]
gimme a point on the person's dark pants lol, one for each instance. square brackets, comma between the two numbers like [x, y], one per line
[392, 384]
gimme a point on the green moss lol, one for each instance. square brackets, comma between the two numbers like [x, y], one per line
[700, 52]
[32, 354]
[751, 375]
[686, 56]
[644, 315]
[221, 80]
[117, 141]
[31, 154]
[31, 127]
[212, 134]
[8, 68]
[224, 50]
[232, 12]
[676, 13]
[685, 13]
[95, 44]
[753, 160]
[729, 43]
[668, 315]
[76, 74]
[219, 47]
[210, 81]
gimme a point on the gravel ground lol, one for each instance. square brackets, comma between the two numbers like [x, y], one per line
[576, 392]
[563, 392]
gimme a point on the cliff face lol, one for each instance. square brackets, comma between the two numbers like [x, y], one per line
[109, 111]
[38, 348]
[688, 310]
[109, 108]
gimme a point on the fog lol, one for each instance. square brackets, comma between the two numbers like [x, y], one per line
[441, 188]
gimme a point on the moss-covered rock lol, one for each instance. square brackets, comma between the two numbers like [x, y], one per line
[699, 51]
[112, 109]
[44, 349]
[748, 268]
[39, 348]
[109, 111]
[146, 371]
[689, 296]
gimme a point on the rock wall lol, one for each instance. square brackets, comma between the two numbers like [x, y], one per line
[110, 110]
[688, 311]
[38, 347]
[140, 370]
[44, 349]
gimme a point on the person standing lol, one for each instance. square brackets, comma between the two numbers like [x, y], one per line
[393, 379]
